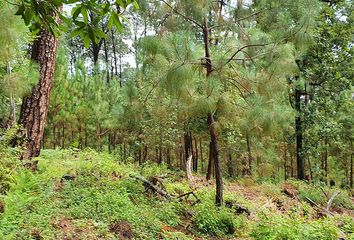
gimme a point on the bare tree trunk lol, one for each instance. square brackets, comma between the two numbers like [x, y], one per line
[34, 107]
[189, 169]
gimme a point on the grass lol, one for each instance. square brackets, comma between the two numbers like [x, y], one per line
[41, 206]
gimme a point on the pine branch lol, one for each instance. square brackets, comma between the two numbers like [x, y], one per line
[182, 15]
[251, 15]
[244, 47]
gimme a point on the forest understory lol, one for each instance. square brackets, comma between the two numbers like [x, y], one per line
[88, 195]
[176, 119]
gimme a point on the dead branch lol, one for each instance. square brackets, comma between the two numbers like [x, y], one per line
[330, 201]
[319, 208]
[150, 185]
[186, 195]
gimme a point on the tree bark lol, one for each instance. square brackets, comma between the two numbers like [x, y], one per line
[211, 122]
[250, 157]
[210, 163]
[298, 130]
[195, 159]
[189, 169]
[34, 107]
[351, 171]
[215, 156]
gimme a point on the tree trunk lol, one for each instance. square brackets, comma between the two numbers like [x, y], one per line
[215, 157]
[195, 159]
[34, 108]
[168, 156]
[201, 155]
[298, 130]
[211, 122]
[54, 137]
[210, 163]
[230, 168]
[63, 137]
[106, 58]
[285, 162]
[250, 158]
[351, 171]
[189, 169]
[96, 47]
[326, 161]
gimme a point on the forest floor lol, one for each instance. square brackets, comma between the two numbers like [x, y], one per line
[89, 195]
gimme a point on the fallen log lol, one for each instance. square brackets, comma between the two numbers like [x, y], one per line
[321, 210]
[152, 185]
[149, 185]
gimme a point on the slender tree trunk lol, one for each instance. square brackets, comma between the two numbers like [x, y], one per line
[12, 117]
[54, 137]
[298, 130]
[285, 162]
[106, 58]
[211, 122]
[160, 146]
[291, 164]
[115, 57]
[63, 137]
[96, 47]
[168, 156]
[34, 107]
[124, 152]
[145, 152]
[326, 160]
[351, 170]
[201, 155]
[310, 169]
[250, 158]
[215, 156]
[210, 163]
[195, 159]
[189, 169]
[230, 168]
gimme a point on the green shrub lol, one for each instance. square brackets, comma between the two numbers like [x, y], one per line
[216, 221]
[322, 229]
[285, 228]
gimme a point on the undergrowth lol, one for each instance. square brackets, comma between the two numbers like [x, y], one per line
[41, 205]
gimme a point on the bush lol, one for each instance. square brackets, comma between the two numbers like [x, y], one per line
[216, 221]
[279, 228]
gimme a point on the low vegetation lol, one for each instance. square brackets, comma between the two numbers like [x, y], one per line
[88, 195]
